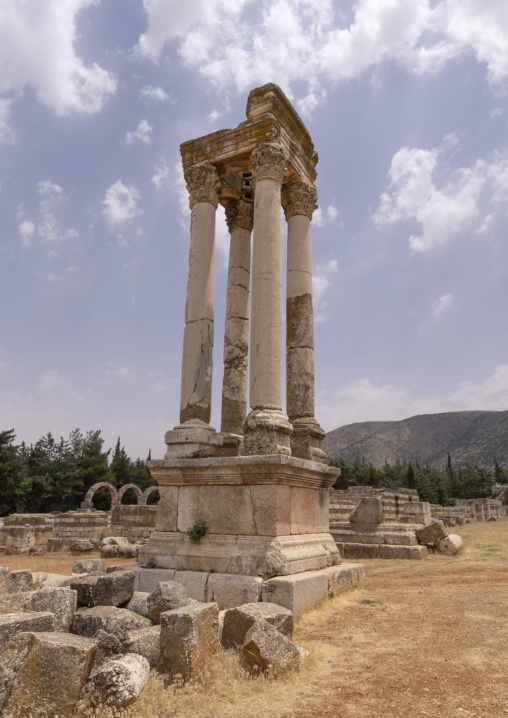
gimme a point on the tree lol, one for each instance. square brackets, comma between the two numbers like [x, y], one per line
[15, 483]
[92, 467]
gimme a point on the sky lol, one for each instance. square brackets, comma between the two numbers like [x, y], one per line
[406, 103]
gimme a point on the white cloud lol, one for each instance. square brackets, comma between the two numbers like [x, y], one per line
[214, 115]
[26, 230]
[322, 280]
[120, 204]
[157, 94]
[310, 41]
[442, 212]
[496, 112]
[369, 400]
[442, 304]
[48, 226]
[6, 131]
[323, 219]
[121, 372]
[37, 49]
[142, 134]
[161, 175]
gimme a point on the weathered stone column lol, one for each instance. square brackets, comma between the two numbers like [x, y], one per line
[299, 202]
[239, 215]
[266, 429]
[193, 434]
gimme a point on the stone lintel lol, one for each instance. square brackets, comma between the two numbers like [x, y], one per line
[271, 118]
[238, 470]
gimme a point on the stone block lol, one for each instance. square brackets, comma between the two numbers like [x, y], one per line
[107, 618]
[195, 582]
[265, 647]
[113, 589]
[85, 590]
[119, 681]
[138, 603]
[108, 645]
[432, 532]
[345, 577]
[238, 621]
[81, 546]
[167, 509]
[309, 510]
[299, 593]
[403, 552]
[5, 580]
[167, 596]
[21, 581]
[451, 544]
[189, 637]
[44, 670]
[368, 511]
[14, 623]
[54, 545]
[229, 591]
[145, 642]
[109, 551]
[149, 578]
[89, 565]
[62, 602]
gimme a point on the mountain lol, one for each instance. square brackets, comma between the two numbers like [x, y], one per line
[469, 436]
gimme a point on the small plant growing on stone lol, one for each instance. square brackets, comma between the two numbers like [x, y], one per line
[331, 594]
[196, 532]
[151, 563]
[213, 570]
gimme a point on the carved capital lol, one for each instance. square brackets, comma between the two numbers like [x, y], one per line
[269, 160]
[239, 213]
[203, 184]
[299, 198]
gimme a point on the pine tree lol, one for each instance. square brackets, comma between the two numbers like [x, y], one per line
[15, 483]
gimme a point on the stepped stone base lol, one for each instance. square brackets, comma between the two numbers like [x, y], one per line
[355, 551]
[299, 592]
[390, 541]
[265, 515]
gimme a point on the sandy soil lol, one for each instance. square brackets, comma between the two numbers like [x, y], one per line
[423, 639]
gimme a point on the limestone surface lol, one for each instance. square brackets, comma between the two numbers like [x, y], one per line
[451, 544]
[108, 645]
[119, 681]
[189, 637]
[145, 642]
[238, 621]
[62, 602]
[44, 670]
[167, 596]
[229, 591]
[434, 531]
[13, 623]
[21, 581]
[368, 511]
[114, 588]
[89, 565]
[264, 647]
[107, 618]
[138, 603]
[84, 587]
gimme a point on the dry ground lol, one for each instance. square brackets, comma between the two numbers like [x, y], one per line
[423, 639]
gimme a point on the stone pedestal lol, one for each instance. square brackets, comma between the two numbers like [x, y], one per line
[266, 515]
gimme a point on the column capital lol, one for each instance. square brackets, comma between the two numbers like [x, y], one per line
[239, 213]
[269, 161]
[203, 184]
[299, 198]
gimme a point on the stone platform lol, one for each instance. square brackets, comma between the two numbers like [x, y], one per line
[389, 541]
[298, 592]
[265, 515]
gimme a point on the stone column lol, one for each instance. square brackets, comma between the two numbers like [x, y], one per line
[299, 202]
[193, 434]
[236, 335]
[266, 429]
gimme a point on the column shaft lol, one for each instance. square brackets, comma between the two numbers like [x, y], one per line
[236, 334]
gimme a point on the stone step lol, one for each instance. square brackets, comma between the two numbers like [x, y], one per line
[352, 551]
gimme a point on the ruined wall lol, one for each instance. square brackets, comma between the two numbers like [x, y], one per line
[342, 502]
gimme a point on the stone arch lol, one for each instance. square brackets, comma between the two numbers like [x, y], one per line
[148, 491]
[88, 502]
[136, 490]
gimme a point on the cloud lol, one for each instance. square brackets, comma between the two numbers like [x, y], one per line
[120, 204]
[442, 304]
[58, 386]
[37, 49]
[48, 226]
[369, 400]
[142, 134]
[6, 131]
[121, 372]
[323, 219]
[309, 45]
[442, 211]
[322, 280]
[161, 175]
[156, 94]
[496, 112]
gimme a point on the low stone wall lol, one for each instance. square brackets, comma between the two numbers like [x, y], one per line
[133, 522]
[343, 501]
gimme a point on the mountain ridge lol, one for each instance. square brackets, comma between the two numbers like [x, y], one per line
[469, 436]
